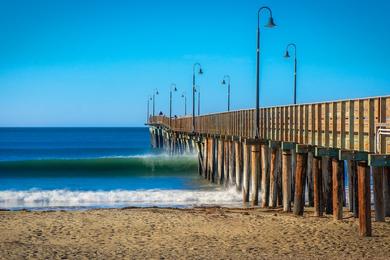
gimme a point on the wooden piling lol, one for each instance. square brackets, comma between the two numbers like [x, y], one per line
[226, 173]
[220, 161]
[337, 176]
[265, 176]
[255, 160]
[310, 179]
[205, 157]
[327, 184]
[364, 199]
[300, 177]
[286, 179]
[211, 159]
[386, 190]
[317, 187]
[238, 163]
[279, 178]
[353, 187]
[200, 159]
[232, 173]
[377, 176]
[273, 179]
[293, 168]
[245, 173]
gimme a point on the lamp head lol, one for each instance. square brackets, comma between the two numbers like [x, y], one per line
[200, 71]
[287, 54]
[157, 92]
[223, 82]
[175, 89]
[182, 95]
[270, 23]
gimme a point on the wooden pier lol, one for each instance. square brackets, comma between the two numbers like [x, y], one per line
[299, 157]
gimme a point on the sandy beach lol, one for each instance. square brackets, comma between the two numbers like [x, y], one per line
[200, 233]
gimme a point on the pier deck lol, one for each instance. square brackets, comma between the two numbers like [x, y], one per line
[300, 149]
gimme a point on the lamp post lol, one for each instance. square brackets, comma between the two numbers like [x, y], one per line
[287, 55]
[172, 88]
[200, 72]
[148, 113]
[197, 89]
[227, 77]
[270, 24]
[155, 92]
[184, 95]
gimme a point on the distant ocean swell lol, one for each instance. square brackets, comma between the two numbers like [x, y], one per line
[67, 198]
[138, 165]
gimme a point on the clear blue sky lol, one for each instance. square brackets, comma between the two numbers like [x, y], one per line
[93, 63]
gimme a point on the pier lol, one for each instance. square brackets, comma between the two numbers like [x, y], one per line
[296, 156]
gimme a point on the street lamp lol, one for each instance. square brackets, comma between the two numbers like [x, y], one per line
[184, 95]
[287, 55]
[197, 89]
[155, 92]
[270, 24]
[227, 77]
[172, 88]
[148, 113]
[200, 72]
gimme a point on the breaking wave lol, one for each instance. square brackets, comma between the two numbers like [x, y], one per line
[117, 198]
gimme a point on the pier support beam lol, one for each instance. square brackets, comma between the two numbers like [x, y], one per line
[273, 190]
[310, 179]
[279, 178]
[238, 163]
[265, 176]
[245, 173]
[200, 158]
[255, 160]
[205, 157]
[352, 187]
[293, 168]
[317, 187]
[232, 173]
[211, 159]
[300, 178]
[337, 178]
[220, 161]
[286, 178]
[327, 184]
[377, 176]
[364, 200]
[386, 190]
[226, 173]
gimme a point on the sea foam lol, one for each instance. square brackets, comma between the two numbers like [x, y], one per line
[118, 198]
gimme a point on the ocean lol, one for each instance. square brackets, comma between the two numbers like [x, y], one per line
[82, 168]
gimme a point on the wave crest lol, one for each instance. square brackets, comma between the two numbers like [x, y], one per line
[146, 164]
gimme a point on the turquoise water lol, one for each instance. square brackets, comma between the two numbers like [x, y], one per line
[75, 168]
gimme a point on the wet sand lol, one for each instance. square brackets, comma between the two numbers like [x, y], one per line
[201, 233]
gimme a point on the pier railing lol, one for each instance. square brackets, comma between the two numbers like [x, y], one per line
[357, 124]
